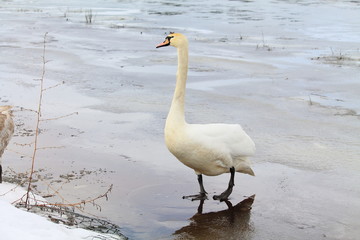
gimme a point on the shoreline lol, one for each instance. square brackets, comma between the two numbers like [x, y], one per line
[294, 91]
[39, 224]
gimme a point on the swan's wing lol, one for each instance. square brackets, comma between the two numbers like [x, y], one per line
[2, 132]
[229, 137]
[6, 131]
[2, 125]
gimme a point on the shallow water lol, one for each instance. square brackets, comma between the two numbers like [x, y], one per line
[288, 71]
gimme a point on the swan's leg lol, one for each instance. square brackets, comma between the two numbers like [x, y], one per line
[225, 195]
[202, 195]
[200, 180]
[0, 173]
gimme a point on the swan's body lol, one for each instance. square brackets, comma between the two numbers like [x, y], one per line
[6, 131]
[210, 149]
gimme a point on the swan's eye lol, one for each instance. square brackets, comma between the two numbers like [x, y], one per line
[169, 37]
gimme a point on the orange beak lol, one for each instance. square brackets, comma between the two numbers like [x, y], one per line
[164, 44]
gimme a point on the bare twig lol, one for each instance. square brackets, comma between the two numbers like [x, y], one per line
[12, 189]
[56, 85]
[27, 109]
[19, 153]
[82, 202]
[56, 118]
[23, 144]
[38, 121]
[53, 147]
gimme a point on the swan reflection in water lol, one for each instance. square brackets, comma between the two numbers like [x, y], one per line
[232, 223]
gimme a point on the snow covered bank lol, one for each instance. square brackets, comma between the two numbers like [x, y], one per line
[17, 224]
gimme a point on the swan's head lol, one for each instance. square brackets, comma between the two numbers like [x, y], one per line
[175, 40]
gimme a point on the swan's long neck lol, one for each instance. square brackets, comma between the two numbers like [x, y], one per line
[176, 114]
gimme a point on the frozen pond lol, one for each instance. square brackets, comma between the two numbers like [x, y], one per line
[288, 71]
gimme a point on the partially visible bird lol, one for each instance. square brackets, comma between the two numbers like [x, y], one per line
[6, 130]
[210, 149]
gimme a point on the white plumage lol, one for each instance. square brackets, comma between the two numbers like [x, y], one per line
[209, 149]
[6, 131]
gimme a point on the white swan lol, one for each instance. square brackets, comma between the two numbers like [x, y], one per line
[6, 130]
[210, 149]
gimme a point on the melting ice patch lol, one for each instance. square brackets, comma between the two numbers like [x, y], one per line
[211, 85]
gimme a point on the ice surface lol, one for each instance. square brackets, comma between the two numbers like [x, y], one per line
[287, 71]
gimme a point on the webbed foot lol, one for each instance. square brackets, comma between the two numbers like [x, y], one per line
[196, 197]
[202, 195]
[225, 195]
